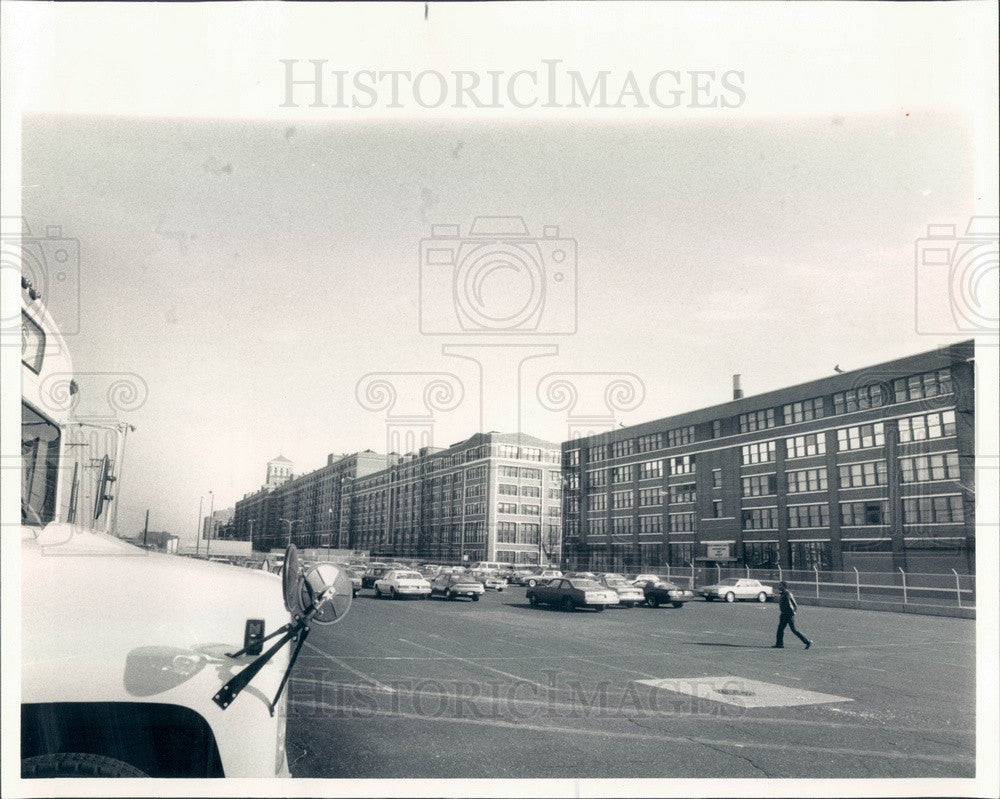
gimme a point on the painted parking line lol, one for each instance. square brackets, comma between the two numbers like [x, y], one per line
[351, 669]
[474, 663]
[744, 692]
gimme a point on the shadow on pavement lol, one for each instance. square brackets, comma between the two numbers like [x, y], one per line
[732, 646]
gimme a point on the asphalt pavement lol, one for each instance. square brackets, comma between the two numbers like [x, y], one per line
[497, 689]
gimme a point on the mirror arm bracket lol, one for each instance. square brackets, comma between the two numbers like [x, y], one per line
[300, 634]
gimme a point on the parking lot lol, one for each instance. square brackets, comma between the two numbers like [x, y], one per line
[496, 688]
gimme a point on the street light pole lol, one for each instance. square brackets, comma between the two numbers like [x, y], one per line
[197, 536]
[211, 521]
[290, 525]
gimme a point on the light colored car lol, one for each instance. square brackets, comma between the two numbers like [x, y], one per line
[537, 578]
[628, 595]
[495, 582]
[399, 583]
[570, 594]
[733, 588]
[455, 585]
[643, 578]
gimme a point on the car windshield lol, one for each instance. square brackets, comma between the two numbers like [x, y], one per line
[408, 576]
[586, 584]
[39, 467]
[617, 582]
[729, 581]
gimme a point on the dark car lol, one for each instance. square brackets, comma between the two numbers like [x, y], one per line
[372, 574]
[569, 594]
[661, 592]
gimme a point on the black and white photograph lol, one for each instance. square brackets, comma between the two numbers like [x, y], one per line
[489, 399]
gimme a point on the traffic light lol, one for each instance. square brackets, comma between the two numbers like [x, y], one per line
[104, 487]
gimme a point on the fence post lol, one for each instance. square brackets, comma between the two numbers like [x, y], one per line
[748, 571]
[718, 573]
[692, 575]
[668, 572]
[904, 583]
[857, 582]
[780, 578]
[816, 569]
[958, 588]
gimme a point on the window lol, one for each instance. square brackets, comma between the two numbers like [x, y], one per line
[685, 464]
[806, 480]
[650, 525]
[864, 514]
[507, 490]
[39, 466]
[760, 485]
[716, 478]
[531, 474]
[680, 435]
[621, 499]
[930, 425]
[717, 429]
[762, 452]
[716, 508]
[760, 519]
[650, 469]
[531, 510]
[860, 475]
[650, 443]
[554, 493]
[649, 497]
[805, 446]
[597, 453]
[597, 526]
[571, 458]
[622, 526]
[531, 491]
[555, 510]
[555, 476]
[528, 533]
[933, 510]
[807, 555]
[475, 509]
[531, 454]
[508, 471]
[802, 411]
[862, 436]
[760, 554]
[928, 384]
[858, 399]
[682, 492]
[507, 507]
[756, 420]
[622, 474]
[597, 502]
[681, 522]
[809, 515]
[681, 554]
[619, 449]
[597, 478]
[506, 533]
[940, 466]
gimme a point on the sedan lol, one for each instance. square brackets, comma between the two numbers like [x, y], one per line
[531, 580]
[569, 594]
[355, 574]
[399, 583]
[455, 585]
[371, 574]
[628, 595]
[494, 582]
[661, 592]
[734, 588]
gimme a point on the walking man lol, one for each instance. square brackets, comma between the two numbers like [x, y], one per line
[787, 604]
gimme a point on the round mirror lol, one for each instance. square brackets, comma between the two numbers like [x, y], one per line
[326, 593]
[291, 572]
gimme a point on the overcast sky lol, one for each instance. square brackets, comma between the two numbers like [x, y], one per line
[252, 272]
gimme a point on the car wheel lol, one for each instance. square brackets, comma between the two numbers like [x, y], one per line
[677, 604]
[654, 601]
[762, 597]
[628, 604]
[532, 583]
[599, 608]
[76, 764]
[567, 603]
[533, 600]
[709, 598]
[378, 592]
[392, 593]
[451, 595]
[730, 597]
[475, 597]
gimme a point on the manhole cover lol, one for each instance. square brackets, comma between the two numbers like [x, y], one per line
[743, 692]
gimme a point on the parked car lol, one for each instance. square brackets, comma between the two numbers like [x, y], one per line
[355, 574]
[628, 595]
[582, 575]
[491, 580]
[531, 580]
[518, 574]
[371, 574]
[399, 583]
[733, 588]
[455, 585]
[571, 593]
[661, 592]
[641, 578]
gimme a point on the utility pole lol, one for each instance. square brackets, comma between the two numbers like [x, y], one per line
[211, 523]
[145, 530]
[197, 537]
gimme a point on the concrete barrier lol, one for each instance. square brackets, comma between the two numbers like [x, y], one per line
[889, 607]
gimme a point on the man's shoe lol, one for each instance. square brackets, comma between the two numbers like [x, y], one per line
[808, 644]
[778, 646]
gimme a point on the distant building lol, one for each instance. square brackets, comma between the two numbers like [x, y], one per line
[279, 472]
[158, 540]
[218, 523]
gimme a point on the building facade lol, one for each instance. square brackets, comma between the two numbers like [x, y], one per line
[493, 497]
[873, 469]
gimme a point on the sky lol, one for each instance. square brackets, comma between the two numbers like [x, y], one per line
[251, 272]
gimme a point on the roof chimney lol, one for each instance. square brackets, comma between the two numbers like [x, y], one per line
[737, 391]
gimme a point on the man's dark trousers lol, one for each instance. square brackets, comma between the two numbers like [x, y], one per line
[788, 620]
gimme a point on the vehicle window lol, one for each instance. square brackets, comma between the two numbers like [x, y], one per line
[729, 581]
[39, 465]
[586, 584]
[407, 576]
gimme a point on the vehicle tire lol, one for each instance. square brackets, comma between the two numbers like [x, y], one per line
[709, 598]
[654, 601]
[378, 592]
[762, 597]
[566, 604]
[392, 593]
[677, 604]
[475, 597]
[628, 604]
[532, 583]
[451, 595]
[730, 597]
[533, 600]
[76, 764]
[600, 608]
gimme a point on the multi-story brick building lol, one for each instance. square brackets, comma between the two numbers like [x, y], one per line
[495, 497]
[872, 468]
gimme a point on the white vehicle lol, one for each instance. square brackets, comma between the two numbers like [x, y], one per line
[733, 588]
[400, 583]
[131, 661]
[543, 576]
[494, 582]
[642, 578]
